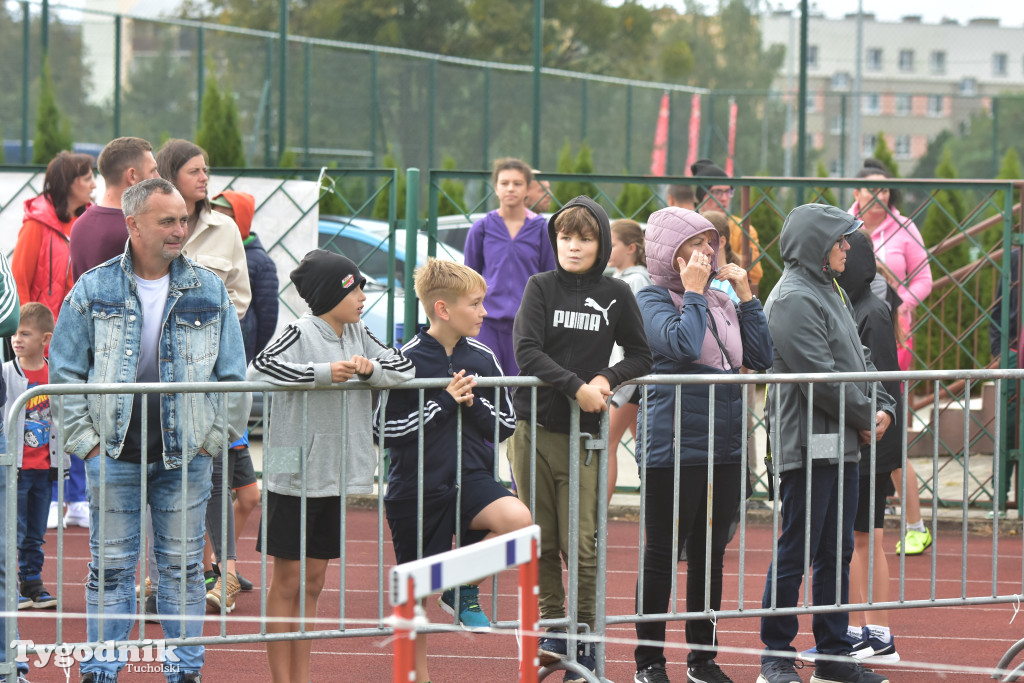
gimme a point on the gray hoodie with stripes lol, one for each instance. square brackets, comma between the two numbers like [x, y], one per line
[329, 431]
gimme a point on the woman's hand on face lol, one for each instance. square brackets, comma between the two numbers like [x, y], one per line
[737, 276]
[694, 275]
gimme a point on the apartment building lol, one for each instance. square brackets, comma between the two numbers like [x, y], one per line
[917, 79]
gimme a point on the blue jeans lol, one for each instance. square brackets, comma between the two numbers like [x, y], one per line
[123, 517]
[74, 487]
[777, 633]
[33, 506]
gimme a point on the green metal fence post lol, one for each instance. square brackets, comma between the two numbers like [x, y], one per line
[538, 40]
[268, 70]
[432, 115]
[995, 136]
[44, 27]
[801, 101]
[412, 225]
[629, 127]
[709, 128]
[25, 40]
[668, 142]
[374, 109]
[486, 142]
[282, 86]
[307, 69]
[392, 221]
[200, 74]
[583, 111]
[842, 146]
[117, 75]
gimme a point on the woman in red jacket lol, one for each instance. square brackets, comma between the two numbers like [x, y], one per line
[41, 263]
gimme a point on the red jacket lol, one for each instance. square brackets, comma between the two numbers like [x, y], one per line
[41, 263]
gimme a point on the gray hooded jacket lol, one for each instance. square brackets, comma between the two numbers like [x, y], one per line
[813, 330]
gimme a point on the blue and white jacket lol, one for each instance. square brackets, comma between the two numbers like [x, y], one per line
[97, 341]
[17, 384]
[440, 420]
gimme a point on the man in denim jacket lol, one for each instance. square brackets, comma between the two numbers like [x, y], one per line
[149, 316]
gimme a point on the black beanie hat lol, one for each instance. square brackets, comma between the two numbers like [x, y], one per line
[324, 278]
[707, 168]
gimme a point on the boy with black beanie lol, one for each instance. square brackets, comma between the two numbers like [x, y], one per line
[329, 345]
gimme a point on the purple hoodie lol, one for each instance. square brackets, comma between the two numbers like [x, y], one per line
[507, 263]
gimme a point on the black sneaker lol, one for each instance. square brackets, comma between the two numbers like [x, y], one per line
[87, 678]
[551, 648]
[152, 616]
[655, 673]
[194, 677]
[244, 583]
[707, 672]
[845, 672]
[210, 578]
[780, 671]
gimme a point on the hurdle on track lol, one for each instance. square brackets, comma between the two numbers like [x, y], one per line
[415, 580]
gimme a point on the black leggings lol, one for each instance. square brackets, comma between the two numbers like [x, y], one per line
[659, 564]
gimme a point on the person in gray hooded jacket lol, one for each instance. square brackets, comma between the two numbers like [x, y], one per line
[813, 331]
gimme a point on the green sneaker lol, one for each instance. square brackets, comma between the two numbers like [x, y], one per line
[917, 542]
[471, 617]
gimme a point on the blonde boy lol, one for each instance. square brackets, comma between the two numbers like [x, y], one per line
[453, 296]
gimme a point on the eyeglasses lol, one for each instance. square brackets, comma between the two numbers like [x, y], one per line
[722, 192]
[842, 241]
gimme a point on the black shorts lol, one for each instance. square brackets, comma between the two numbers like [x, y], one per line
[240, 470]
[478, 491]
[883, 489]
[323, 527]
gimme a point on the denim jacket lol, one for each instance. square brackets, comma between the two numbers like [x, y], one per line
[97, 340]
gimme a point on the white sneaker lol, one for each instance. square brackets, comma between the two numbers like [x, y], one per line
[52, 516]
[77, 515]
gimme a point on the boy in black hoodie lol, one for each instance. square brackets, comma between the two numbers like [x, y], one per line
[564, 331]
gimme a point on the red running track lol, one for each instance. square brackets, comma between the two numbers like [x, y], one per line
[936, 644]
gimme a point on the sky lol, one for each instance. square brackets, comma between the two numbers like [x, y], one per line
[1009, 12]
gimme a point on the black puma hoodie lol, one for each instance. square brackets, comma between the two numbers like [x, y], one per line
[566, 327]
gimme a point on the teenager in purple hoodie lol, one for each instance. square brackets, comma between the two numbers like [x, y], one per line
[507, 246]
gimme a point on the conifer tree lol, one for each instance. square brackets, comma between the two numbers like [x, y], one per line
[380, 205]
[565, 190]
[53, 131]
[825, 194]
[884, 154]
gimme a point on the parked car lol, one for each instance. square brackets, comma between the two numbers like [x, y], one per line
[365, 241]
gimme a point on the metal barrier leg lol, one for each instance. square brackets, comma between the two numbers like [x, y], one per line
[529, 615]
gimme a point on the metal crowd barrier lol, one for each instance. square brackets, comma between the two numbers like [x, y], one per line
[378, 623]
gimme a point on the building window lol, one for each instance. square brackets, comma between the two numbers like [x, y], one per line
[939, 62]
[935, 105]
[902, 150]
[903, 105]
[812, 56]
[968, 86]
[906, 60]
[999, 64]
[835, 168]
[872, 103]
[868, 145]
[812, 101]
[874, 59]
[841, 80]
[836, 128]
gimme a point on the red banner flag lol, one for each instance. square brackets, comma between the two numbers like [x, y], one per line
[691, 154]
[659, 155]
[733, 111]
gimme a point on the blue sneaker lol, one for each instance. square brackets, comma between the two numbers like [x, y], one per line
[24, 602]
[585, 658]
[471, 617]
[856, 646]
[876, 650]
[551, 648]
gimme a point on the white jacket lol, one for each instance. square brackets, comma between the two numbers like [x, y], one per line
[17, 384]
[217, 245]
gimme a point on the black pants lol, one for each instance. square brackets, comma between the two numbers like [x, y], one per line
[659, 563]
